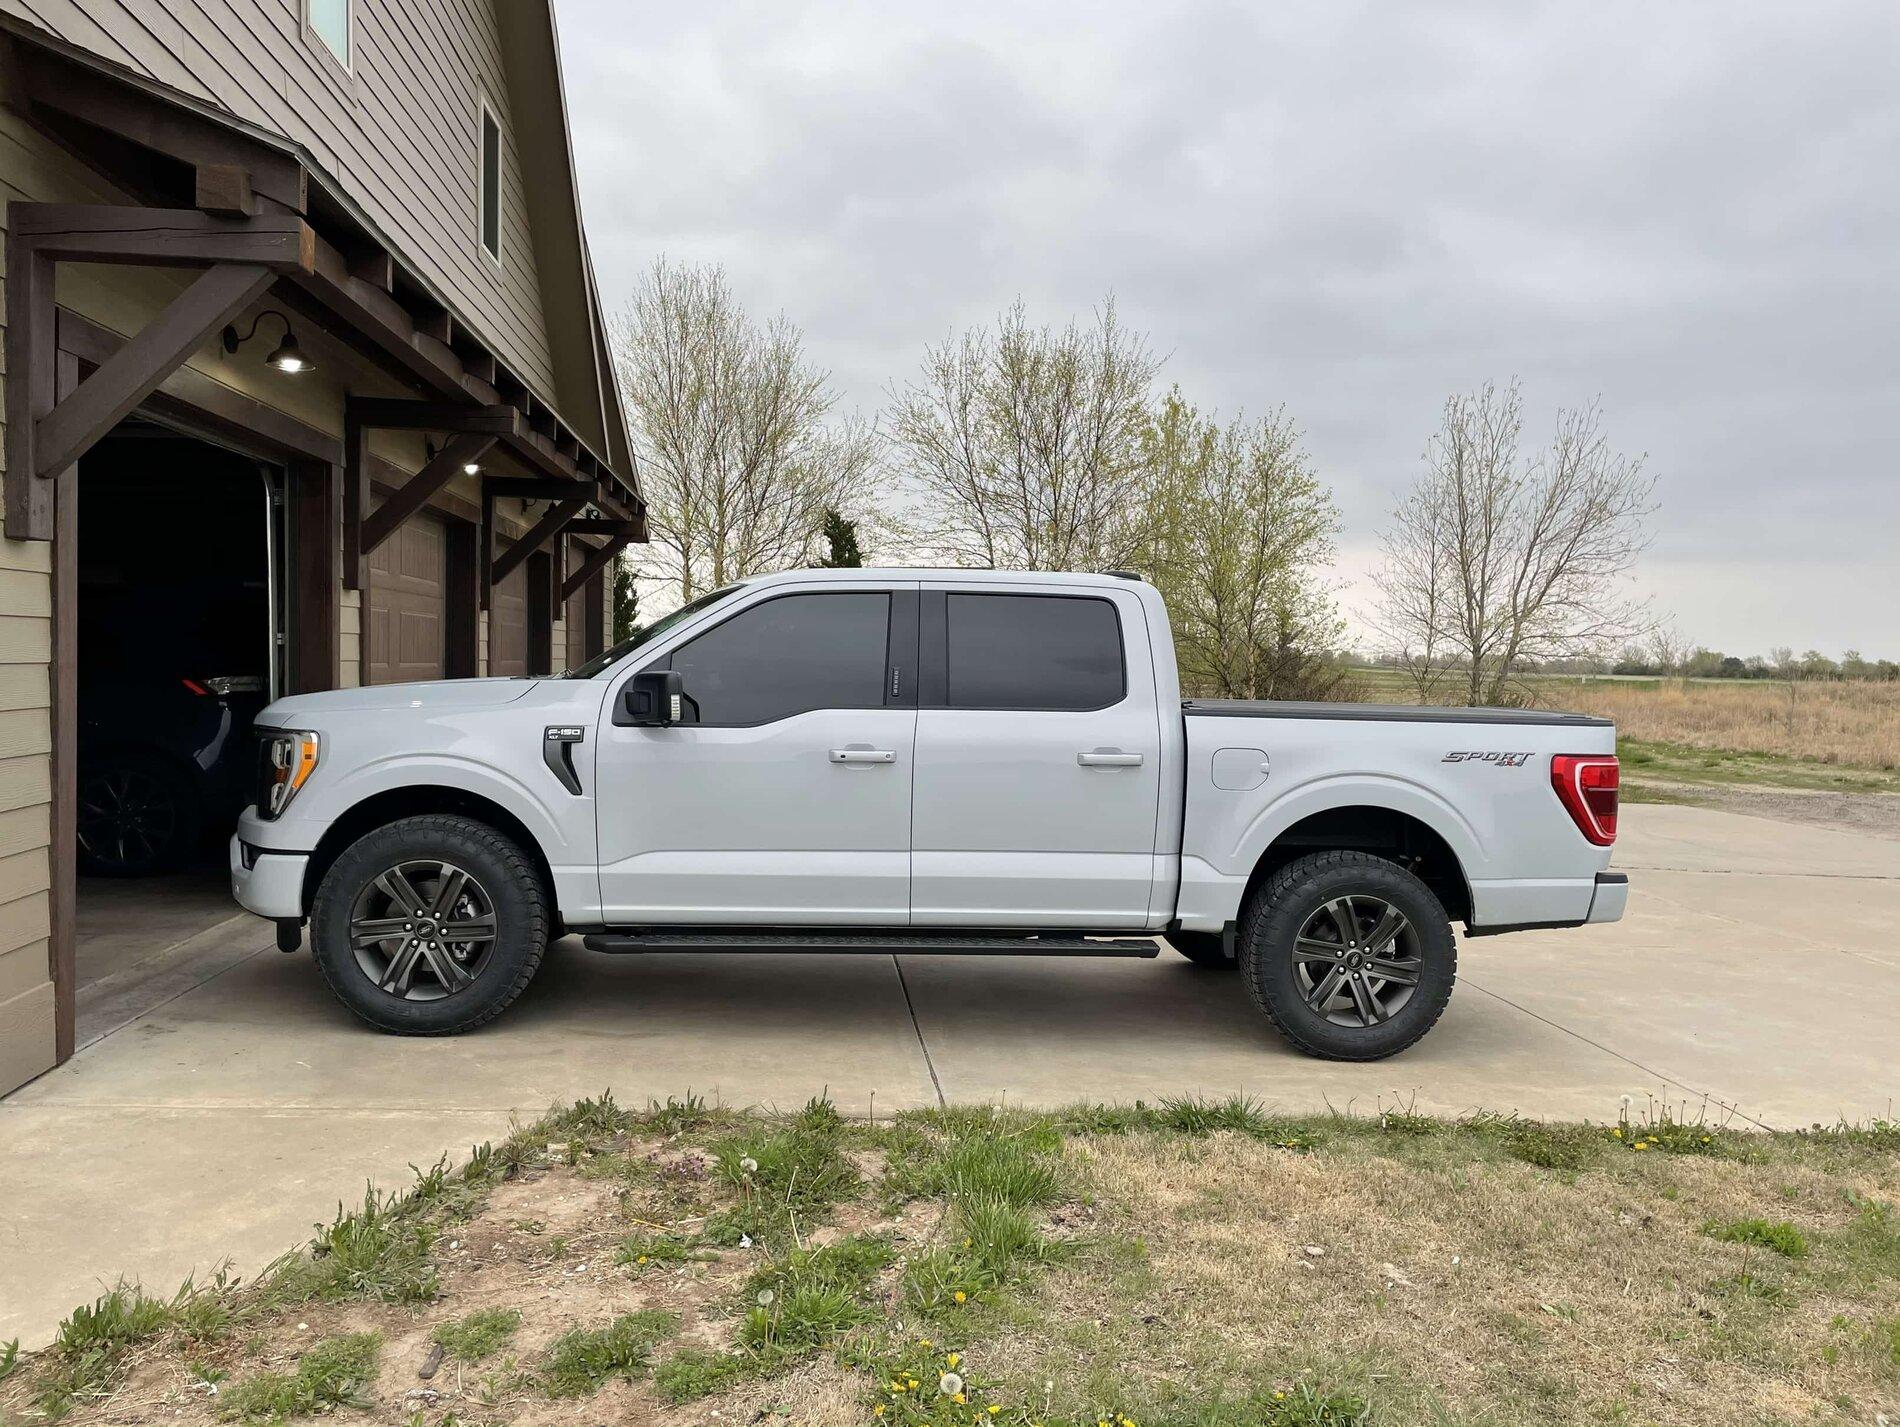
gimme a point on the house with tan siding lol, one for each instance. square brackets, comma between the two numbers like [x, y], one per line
[297, 299]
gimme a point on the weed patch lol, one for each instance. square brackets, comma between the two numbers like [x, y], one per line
[485, 1331]
[332, 1374]
[1780, 1236]
[582, 1360]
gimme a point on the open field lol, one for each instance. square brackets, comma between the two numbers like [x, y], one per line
[1193, 1262]
[1826, 737]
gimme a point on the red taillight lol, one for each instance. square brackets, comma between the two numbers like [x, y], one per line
[1586, 785]
[197, 688]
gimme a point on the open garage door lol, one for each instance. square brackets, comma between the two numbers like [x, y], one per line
[407, 624]
[508, 625]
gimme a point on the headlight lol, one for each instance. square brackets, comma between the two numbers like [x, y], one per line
[288, 761]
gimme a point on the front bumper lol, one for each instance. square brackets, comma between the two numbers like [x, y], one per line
[268, 883]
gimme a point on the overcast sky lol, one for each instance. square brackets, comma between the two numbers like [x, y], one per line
[1691, 211]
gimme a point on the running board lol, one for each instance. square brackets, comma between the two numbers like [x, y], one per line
[875, 944]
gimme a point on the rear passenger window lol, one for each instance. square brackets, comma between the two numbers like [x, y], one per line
[1033, 652]
[788, 656]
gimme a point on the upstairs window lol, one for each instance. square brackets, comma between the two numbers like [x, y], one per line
[491, 183]
[329, 21]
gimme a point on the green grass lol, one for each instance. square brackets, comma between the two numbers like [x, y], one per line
[9, 1358]
[646, 1249]
[1648, 762]
[380, 1251]
[332, 1374]
[785, 1177]
[485, 1331]
[1782, 1237]
[582, 1360]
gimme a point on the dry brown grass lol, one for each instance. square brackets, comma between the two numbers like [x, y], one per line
[1449, 1289]
[1855, 724]
[1212, 1256]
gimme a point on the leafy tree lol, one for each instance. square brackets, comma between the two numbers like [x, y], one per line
[841, 543]
[626, 600]
[1237, 528]
[1027, 444]
[739, 454]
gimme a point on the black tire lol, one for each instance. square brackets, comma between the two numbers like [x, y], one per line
[1298, 899]
[501, 890]
[1203, 949]
[137, 815]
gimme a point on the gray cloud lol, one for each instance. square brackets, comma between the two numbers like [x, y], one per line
[1690, 211]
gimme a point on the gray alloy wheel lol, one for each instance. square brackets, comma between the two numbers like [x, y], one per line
[1356, 961]
[1350, 955]
[422, 930]
[430, 925]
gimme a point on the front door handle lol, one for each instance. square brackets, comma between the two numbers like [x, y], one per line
[863, 755]
[1108, 758]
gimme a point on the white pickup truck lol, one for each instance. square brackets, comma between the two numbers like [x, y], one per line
[969, 762]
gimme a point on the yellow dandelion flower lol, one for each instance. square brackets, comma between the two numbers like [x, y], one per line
[1618, 1132]
[959, 1397]
[954, 1359]
[961, 1296]
[994, 1408]
[1641, 1146]
[878, 1411]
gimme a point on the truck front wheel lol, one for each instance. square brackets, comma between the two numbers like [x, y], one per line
[429, 925]
[1350, 956]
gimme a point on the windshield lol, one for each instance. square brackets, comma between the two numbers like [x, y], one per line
[645, 634]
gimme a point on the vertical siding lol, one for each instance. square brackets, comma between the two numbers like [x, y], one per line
[401, 133]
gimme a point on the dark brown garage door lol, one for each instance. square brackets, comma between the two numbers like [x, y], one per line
[405, 603]
[508, 624]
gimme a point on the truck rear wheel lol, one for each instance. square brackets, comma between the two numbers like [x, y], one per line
[1350, 956]
[430, 925]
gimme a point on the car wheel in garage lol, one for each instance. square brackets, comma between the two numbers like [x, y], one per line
[1350, 956]
[136, 816]
[430, 926]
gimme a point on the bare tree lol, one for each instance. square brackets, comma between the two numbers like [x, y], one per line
[1495, 560]
[739, 462]
[1024, 445]
[1238, 527]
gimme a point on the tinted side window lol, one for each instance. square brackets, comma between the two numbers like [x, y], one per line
[1033, 652]
[789, 656]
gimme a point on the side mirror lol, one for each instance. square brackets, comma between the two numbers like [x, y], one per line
[653, 698]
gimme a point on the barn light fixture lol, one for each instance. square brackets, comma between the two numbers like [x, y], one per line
[288, 357]
[471, 468]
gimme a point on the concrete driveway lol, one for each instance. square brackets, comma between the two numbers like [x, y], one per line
[1756, 973]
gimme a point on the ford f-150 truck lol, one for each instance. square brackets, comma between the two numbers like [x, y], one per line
[913, 761]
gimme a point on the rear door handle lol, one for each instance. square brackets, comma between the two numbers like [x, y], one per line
[863, 755]
[1108, 758]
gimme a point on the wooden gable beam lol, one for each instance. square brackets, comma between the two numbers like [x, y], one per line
[538, 535]
[387, 518]
[161, 237]
[592, 564]
[128, 111]
[534, 488]
[401, 414]
[615, 528]
[135, 371]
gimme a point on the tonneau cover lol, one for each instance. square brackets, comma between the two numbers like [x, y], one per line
[1384, 713]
